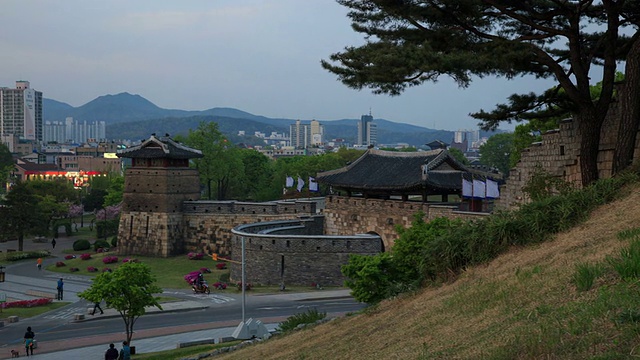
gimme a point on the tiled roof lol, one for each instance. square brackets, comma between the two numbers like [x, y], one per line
[159, 147]
[30, 166]
[399, 171]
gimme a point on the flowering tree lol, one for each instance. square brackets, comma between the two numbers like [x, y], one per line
[109, 213]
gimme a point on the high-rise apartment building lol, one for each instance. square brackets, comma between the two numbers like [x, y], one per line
[367, 131]
[21, 112]
[306, 135]
[71, 131]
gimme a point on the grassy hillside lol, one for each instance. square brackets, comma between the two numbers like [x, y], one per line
[522, 305]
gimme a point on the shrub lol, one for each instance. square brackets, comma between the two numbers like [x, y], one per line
[100, 243]
[85, 256]
[60, 264]
[309, 317]
[219, 285]
[221, 266]
[25, 303]
[21, 255]
[195, 256]
[246, 287]
[69, 257]
[92, 269]
[114, 241]
[74, 269]
[81, 244]
[110, 259]
[106, 269]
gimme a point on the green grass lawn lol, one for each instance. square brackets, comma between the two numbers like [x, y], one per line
[169, 272]
[24, 313]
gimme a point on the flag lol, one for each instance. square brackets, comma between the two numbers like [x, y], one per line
[300, 184]
[493, 191]
[467, 188]
[289, 182]
[479, 189]
[313, 185]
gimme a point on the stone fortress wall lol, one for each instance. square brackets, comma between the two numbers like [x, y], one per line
[296, 252]
[353, 215]
[557, 153]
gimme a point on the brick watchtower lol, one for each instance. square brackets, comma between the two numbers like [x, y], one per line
[158, 181]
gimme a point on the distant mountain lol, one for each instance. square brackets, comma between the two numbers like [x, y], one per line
[133, 117]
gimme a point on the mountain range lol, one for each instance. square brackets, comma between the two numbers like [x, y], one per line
[133, 117]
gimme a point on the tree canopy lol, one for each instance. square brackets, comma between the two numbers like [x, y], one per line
[412, 42]
[129, 289]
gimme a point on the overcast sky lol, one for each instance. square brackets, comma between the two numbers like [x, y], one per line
[262, 57]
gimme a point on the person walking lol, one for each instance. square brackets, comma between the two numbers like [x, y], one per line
[39, 263]
[28, 341]
[96, 305]
[53, 243]
[112, 353]
[60, 289]
[125, 352]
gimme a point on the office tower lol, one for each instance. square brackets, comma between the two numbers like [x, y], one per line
[306, 135]
[21, 112]
[367, 131]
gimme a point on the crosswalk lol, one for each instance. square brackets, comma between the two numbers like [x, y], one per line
[66, 313]
[214, 298]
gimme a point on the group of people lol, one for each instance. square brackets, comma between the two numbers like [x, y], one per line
[113, 354]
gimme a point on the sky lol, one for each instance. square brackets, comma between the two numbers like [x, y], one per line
[262, 57]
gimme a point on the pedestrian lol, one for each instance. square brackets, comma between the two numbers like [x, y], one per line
[39, 263]
[53, 243]
[28, 341]
[125, 352]
[96, 305]
[60, 288]
[112, 353]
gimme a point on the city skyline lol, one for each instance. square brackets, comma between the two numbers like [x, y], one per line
[255, 56]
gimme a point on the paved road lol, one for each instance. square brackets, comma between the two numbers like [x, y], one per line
[58, 334]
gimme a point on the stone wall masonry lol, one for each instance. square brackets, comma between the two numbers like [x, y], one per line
[351, 215]
[152, 234]
[558, 154]
[296, 259]
[159, 189]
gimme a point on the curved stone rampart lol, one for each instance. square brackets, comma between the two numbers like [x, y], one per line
[296, 252]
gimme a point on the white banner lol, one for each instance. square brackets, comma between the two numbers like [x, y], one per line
[313, 185]
[467, 188]
[300, 184]
[493, 190]
[479, 189]
[289, 182]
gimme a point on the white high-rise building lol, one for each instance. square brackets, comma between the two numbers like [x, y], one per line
[306, 135]
[71, 131]
[21, 112]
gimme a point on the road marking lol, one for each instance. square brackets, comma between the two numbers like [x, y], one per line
[66, 313]
[218, 299]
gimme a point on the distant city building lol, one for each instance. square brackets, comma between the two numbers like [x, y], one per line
[367, 131]
[306, 135]
[71, 131]
[466, 139]
[20, 113]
